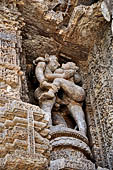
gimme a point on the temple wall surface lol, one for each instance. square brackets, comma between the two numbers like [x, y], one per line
[100, 94]
[24, 131]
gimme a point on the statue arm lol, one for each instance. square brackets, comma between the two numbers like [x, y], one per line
[66, 75]
[39, 71]
[54, 76]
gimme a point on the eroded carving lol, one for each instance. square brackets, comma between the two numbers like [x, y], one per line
[53, 78]
[107, 11]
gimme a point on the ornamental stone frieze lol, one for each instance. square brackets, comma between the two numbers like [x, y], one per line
[56, 77]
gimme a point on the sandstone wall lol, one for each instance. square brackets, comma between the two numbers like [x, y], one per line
[84, 29]
[24, 130]
[10, 48]
[24, 136]
[82, 37]
[100, 95]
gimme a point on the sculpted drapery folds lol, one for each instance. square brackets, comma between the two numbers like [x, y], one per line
[52, 78]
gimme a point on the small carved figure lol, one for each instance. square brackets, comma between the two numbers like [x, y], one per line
[46, 66]
[52, 77]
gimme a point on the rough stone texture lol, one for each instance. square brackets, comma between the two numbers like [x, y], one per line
[73, 32]
[70, 150]
[23, 136]
[101, 96]
[10, 47]
[74, 36]
[24, 129]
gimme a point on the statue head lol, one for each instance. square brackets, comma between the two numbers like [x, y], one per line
[37, 60]
[77, 78]
[70, 66]
[52, 61]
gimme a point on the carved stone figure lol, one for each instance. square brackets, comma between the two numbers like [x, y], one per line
[44, 67]
[52, 78]
[107, 11]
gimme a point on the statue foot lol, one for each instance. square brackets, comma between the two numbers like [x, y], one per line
[47, 95]
[83, 133]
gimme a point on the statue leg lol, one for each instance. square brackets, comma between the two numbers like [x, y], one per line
[79, 117]
[58, 119]
[47, 106]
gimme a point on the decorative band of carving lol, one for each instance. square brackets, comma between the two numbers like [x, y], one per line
[24, 135]
[70, 141]
[13, 105]
[76, 164]
[9, 76]
[58, 131]
[10, 66]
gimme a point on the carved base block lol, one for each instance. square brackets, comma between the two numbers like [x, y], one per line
[70, 150]
[23, 160]
[24, 136]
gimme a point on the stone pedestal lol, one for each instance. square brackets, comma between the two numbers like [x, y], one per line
[70, 150]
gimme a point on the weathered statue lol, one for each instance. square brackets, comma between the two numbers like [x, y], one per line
[107, 11]
[52, 78]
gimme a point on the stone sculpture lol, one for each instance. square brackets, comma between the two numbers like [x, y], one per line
[52, 78]
[107, 11]
[35, 27]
